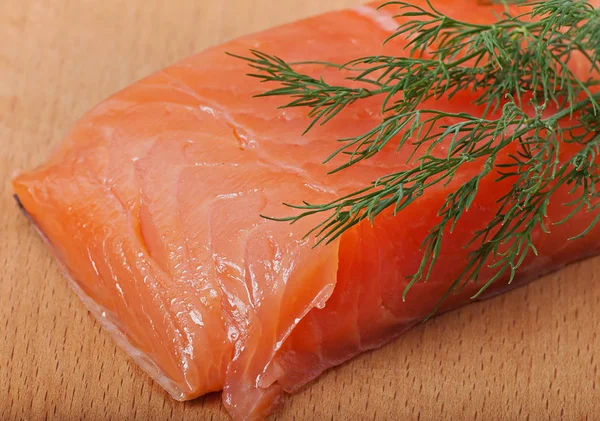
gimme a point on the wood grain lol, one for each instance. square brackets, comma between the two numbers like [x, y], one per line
[530, 354]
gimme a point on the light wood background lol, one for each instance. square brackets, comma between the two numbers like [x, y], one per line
[531, 354]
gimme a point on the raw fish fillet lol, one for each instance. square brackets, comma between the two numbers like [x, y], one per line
[152, 204]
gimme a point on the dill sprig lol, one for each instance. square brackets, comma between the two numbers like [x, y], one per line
[519, 61]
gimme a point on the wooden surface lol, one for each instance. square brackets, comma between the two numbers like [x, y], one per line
[530, 354]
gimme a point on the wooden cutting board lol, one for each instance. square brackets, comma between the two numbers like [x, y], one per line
[531, 354]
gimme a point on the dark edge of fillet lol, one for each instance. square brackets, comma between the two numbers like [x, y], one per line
[21, 207]
[28, 216]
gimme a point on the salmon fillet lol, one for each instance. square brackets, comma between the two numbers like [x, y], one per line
[152, 205]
